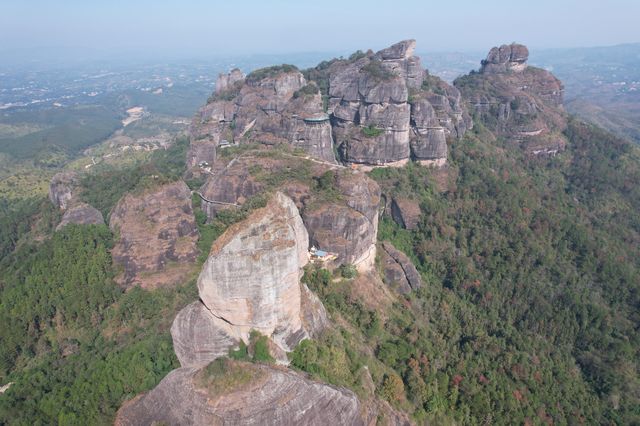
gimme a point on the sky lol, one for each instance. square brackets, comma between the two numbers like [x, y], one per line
[198, 27]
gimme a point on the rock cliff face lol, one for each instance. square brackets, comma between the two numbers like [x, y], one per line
[64, 194]
[386, 109]
[271, 106]
[405, 212]
[157, 236]
[508, 57]
[273, 396]
[399, 271]
[523, 104]
[81, 214]
[383, 109]
[62, 188]
[345, 224]
[347, 227]
[251, 279]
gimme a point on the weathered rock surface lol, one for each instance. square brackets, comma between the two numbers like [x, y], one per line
[81, 214]
[157, 236]
[199, 337]
[399, 270]
[228, 81]
[270, 106]
[275, 396]
[62, 188]
[346, 225]
[508, 57]
[348, 228]
[386, 109]
[251, 279]
[405, 212]
[372, 114]
[520, 103]
[64, 194]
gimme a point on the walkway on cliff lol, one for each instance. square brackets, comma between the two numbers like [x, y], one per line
[212, 201]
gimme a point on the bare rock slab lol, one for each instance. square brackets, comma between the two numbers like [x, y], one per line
[157, 236]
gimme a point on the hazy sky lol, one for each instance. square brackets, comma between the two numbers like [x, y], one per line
[277, 26]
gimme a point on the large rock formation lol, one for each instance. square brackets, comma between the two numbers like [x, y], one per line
[251, 279]
[81, 214]
[345, 224]
[386, 109]
[271, 106]
[398, 269]
[157, 236]
[62, 188]
[64, 193]
[508, 57]
[382, 109]
[262, 395]
[520, 103]
[405, 212]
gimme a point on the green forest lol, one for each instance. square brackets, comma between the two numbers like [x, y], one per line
[529, 312]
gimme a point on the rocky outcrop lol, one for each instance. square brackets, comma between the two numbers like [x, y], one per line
[386, 109]
[64, 193]
[157, 236]
[398, 269]
[347, 227]
[251, 279]
[508, 57]
[519, 103]
[405, 212]
[266, 396]
[345, 224]
[81, 214]
[200, 337]
[228, 82]
[271, 106]
[62, 188]
[382, 109]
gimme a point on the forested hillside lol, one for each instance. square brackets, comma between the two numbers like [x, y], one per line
[524, 303]
[530, 311]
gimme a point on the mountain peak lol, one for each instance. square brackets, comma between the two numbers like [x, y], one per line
[508, 57]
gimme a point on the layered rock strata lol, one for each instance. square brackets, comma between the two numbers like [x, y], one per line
[157, 236]
[386, 109]
[251, 281]
[273, 396]
[345, 224]
[380, 109]
[520, 103]
[272, 106]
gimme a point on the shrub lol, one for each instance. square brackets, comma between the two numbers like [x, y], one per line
[348, 271]
[378, 72]
[372, 131]
[262, 73]
[260, 346]
[308, 90]
[240, 354]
